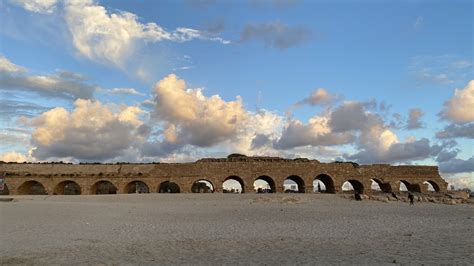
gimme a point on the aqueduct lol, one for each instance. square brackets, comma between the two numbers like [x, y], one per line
[63, 178]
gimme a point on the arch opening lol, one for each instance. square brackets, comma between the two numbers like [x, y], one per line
[137, 186]
[202, 186]
[293, 184]
[233, 184]
[264, 184]
[431, 186]
[323, 184]
[32, 188]
[376, 185]
[353, 185]
[67, 187]
[103, 187]
[169, 187]
[404, 186]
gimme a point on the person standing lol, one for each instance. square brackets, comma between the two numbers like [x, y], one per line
[411, 198]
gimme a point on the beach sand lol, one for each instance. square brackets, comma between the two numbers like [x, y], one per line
[232, 229]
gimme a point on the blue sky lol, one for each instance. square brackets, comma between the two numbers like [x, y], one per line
[367, 81]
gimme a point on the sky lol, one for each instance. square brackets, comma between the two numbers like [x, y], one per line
[174, 81]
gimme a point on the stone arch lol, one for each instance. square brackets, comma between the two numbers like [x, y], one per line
[327, 181]
[103, 187]
[433, 184]
[168, 187]
[299, 182]
[67, 187]
[202, 186]
[32, 187]
[269, 180]
[136, 186]
[410, 186]
[239, 180]
[356, 185]
[384, 187]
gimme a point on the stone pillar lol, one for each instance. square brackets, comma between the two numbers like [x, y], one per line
[184, 187]
[13, 190]
[423, 188]
[249, 188]
[279, 189]
[386, 187]
[394, 186]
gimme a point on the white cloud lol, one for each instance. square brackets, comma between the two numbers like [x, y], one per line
[92, 131]
[319, 96]
[37, 6]
[128, 91]
[193, 118]
[459, 108]
[375, 141]
[13, 156]
[101, 35]
[9, 67]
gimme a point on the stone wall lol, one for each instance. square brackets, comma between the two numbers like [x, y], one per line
[243, 169]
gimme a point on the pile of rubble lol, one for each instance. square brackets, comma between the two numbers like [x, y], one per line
[451, 198]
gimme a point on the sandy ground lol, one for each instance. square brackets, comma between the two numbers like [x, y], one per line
[232, 229]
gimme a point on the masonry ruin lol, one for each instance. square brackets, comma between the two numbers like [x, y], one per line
[94, 178]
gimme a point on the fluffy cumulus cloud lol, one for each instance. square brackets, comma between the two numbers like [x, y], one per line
[37, 6]
[276, 35]
[459, 108]
[375, 140]
[92, 131]
[190, 121]
[62, 84]
[194, 118]
[352, 116]
[112, 36]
